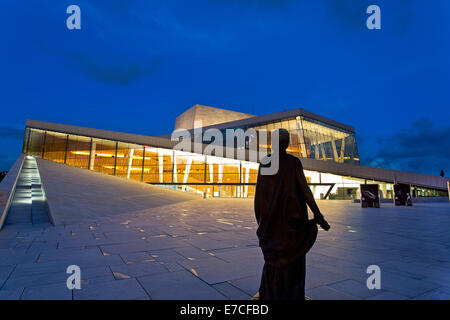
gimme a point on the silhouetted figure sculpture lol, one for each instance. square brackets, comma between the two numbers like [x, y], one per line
[442, 173]
[285, 234]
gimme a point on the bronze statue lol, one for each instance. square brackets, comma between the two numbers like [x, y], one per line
[285, 234]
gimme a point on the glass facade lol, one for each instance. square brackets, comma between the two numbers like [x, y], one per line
[198, 173]
[189, 172]
[314, 139]
[310, 138]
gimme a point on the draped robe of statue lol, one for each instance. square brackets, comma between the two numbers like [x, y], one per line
[285, 234]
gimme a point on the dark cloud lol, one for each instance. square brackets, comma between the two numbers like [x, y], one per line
[423, 148]
[122, 73]
[7, 132]
[107, 68]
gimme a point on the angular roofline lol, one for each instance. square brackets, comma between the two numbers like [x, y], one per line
[278, 116]
[103, 134]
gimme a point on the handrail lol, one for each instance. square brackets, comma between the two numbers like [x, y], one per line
[8, 186]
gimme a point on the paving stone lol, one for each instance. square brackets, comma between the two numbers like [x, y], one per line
[192, 253]
[34, 280]
[388, 295]
[418, 270]
[129, 258]
[179, 285]
[441, 293]
[355, 288]
[316, 277]
[5, 271]
[14, 257]
[105, 278]
[327, 293]
[404, 285]
[13, 294]
[128, 289]
[231, 292]
[227, 271]
[143, 245]
[74, 254]
[239, 254]
[249, 285]
[137, 269]
[57, 291]
[39, 279]
[167, 255]
[172, 266]
[61, 266]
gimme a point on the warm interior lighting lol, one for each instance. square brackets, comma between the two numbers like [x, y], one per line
[81, 153]
[132, 168]
[106, 155]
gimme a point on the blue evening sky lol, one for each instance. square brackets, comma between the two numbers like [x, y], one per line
[135, 65]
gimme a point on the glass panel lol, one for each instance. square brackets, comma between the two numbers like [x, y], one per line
[197, 170]
[103, 156]
[36, 143]
[78, 150]
[55, 146]
[158, 165]
[152, 164]
[25, 140]
[135, 172]
[326, 142]
[129, 161]
[294, 140]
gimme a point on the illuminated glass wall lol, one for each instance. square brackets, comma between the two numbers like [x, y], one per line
[313, 139]
[325, 142]
[190, 172]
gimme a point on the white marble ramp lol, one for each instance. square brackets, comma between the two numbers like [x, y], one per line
[80, 195]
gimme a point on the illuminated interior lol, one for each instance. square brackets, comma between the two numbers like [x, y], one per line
[313, 139]
[198, 173]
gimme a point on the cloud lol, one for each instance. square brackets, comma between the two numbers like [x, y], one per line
[112, 46]
[423, 148]
[109, 68]
[116, 72]
[7, 132]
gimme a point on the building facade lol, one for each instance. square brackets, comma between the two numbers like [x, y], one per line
[328, 148]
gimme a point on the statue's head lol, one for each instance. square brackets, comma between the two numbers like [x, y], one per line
[283, 135]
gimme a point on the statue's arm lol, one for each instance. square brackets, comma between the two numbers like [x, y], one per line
[309, 198]
[306, 191]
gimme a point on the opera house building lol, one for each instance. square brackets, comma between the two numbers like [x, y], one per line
[327, 148]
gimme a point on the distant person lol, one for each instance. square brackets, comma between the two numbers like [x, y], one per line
[285, 234]
[442, 173]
